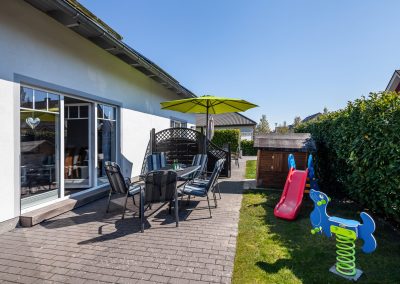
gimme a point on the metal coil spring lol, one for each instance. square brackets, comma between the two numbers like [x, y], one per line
[345, 255]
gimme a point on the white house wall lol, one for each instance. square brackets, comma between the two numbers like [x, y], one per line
[136, 138]
[33, 45]
[9, 138]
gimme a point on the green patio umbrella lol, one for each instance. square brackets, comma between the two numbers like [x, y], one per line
[208, 105]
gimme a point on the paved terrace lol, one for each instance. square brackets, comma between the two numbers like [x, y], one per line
[88, 246]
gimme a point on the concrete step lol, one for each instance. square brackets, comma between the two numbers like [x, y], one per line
[34, 217]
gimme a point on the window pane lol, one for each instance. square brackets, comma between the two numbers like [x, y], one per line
[73, 112]
[106, 145]
[53, 102]
[100, 111]
[40, 100]
[109, 112]
[83, 111]
[39, 166]
[26, 97]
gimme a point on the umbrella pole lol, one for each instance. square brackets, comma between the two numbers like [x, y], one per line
[206, 138]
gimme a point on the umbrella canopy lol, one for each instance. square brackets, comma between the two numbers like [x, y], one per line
[208, 105]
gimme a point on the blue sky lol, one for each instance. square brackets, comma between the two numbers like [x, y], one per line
[290, 57]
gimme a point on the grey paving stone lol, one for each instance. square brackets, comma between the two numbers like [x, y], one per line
[89, 246]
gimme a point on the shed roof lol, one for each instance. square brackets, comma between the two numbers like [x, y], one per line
[292, 141]
[77, 18]
[226, 119]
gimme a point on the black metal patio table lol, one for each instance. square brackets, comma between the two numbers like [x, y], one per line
[181, 172]
[184, 171]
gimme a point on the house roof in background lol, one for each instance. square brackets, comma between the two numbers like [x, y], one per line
[394, 83]
[226, 119]
[311, 117]
[291, 141]
[77, 18]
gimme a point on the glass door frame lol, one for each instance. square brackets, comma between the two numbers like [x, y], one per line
[90, 143]
[58, 152]
[93, 139]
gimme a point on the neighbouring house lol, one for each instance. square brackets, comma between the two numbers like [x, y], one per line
[311, 117]
[73, 95]
[273, 150]
[232, 120]
[394, 83]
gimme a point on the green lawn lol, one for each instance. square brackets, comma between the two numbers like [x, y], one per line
[270, 250]
[251, 169]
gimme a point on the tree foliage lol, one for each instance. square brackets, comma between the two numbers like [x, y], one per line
[224, 137]
[263, 126]
[296, 121]
[358, 151]
[247, 147]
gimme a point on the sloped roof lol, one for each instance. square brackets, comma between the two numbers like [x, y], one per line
[77, 18]
[394, 83]
[311, 117]
[291, 141]
[226, 119]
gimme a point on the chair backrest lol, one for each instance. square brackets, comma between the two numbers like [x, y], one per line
[156, 161]
[215, 174]
[117, 182]
[200, 160]
[160, 186]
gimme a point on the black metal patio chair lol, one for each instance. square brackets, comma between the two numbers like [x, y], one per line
[160, 187]
[119, 184]
[198, 160]
[202, 181]
[203, 189]
[156, 161]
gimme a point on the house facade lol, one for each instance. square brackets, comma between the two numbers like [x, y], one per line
[73, 95]
[232, 120]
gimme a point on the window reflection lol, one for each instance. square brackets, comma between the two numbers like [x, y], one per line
[26, 97]
[106, 139]
[39, 154]
[53, 102]
[40, 100]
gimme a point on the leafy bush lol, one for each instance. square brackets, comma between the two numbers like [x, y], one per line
[227, 136]
[358, 151]
[247, 147]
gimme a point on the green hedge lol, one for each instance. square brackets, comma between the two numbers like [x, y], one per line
[358, 151]
[247, 147]
[227, 136]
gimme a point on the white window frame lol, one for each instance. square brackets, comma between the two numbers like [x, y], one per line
[176, 123]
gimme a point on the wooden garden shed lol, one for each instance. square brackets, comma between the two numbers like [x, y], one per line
[272, 156]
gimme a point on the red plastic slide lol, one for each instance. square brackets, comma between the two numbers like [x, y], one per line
[292, 196]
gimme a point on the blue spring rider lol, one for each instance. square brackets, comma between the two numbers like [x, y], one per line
[346, 231]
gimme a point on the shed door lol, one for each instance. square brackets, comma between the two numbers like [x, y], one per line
[277, 164]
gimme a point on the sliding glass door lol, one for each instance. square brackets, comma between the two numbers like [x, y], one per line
[65, 143]
[77, 145]
[40, 155]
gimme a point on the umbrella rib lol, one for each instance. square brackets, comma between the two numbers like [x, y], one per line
[185, 102]
[233, 106]
[176, 104]
[191, 108]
